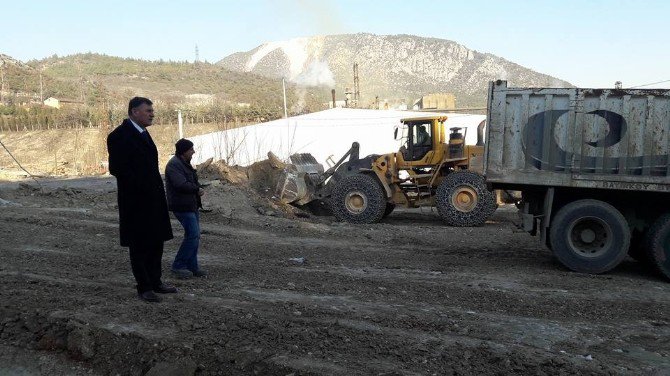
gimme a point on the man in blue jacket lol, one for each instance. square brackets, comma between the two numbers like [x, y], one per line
[183, 195]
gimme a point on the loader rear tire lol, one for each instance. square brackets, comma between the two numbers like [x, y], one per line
[463, 200]
[657, 245]
[358, 199]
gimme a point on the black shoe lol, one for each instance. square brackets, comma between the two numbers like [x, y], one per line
[200, 273]
[165, 289]
[149, 296]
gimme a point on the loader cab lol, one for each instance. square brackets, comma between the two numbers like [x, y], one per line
[418, 137]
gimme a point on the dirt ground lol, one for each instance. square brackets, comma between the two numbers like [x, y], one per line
[289, 294]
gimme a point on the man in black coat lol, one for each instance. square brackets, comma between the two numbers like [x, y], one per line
[144, 221]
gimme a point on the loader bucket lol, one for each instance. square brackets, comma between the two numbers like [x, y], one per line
[299, 179]
[291, 188]
[306, 162]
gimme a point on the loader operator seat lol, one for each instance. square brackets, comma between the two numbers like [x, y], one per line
[421, 144]
[422, 137]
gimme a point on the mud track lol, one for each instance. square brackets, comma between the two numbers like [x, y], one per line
[408, 296]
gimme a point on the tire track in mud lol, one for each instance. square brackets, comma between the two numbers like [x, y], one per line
[302, 300]
[328, 316]
[414, 341]
[233, 233]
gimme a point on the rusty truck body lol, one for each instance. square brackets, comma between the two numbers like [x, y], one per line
[592, 166]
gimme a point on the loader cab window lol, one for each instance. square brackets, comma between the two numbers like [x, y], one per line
[419, 141]
[422, 136]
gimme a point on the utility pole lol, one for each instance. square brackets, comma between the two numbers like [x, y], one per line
[41, 88]
[181, 124]
[357, 89]
[288, 128]
[2, 88]
[283, 86]
[82, 82]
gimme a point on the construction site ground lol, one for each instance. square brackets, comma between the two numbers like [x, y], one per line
[292, 294]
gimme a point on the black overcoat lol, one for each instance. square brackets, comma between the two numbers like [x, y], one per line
[133, 160]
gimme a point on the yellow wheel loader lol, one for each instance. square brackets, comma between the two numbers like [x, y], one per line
[428, 170]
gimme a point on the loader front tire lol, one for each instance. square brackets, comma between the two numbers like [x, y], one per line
[463, 200]
[358, 199]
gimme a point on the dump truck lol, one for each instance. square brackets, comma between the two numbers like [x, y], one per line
[431, 168]
[592, 168]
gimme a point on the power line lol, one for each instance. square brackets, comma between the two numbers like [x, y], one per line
[17, 162]
[653, 83]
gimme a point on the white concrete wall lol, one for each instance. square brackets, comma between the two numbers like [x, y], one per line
[323, 134]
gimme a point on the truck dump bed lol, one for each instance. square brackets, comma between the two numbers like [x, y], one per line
[589, 138]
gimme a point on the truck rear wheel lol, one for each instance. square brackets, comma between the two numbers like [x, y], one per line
[358, 199]
[463, 200]
[589, 236]
[657, 245]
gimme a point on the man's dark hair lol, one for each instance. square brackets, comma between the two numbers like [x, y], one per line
[136, 102]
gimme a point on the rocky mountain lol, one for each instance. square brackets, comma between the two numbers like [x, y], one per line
[6, 60]
[390, 66]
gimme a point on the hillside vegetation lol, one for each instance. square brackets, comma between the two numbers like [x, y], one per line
[103, 84]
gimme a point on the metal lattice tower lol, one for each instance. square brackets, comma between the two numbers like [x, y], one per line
[357, 90]
[197, 54]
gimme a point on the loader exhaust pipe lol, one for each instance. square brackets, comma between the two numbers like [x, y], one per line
[480, 133]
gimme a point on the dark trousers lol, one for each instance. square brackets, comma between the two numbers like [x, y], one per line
[145, 260]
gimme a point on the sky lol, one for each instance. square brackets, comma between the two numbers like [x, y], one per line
[590, 43]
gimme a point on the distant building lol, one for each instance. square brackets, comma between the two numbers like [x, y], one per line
[58, 103]
[200, 99]
[436, 101]
[52, 102]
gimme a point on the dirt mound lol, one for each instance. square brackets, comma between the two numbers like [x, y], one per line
[263, 177]
[220, 170]
[244, 190]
